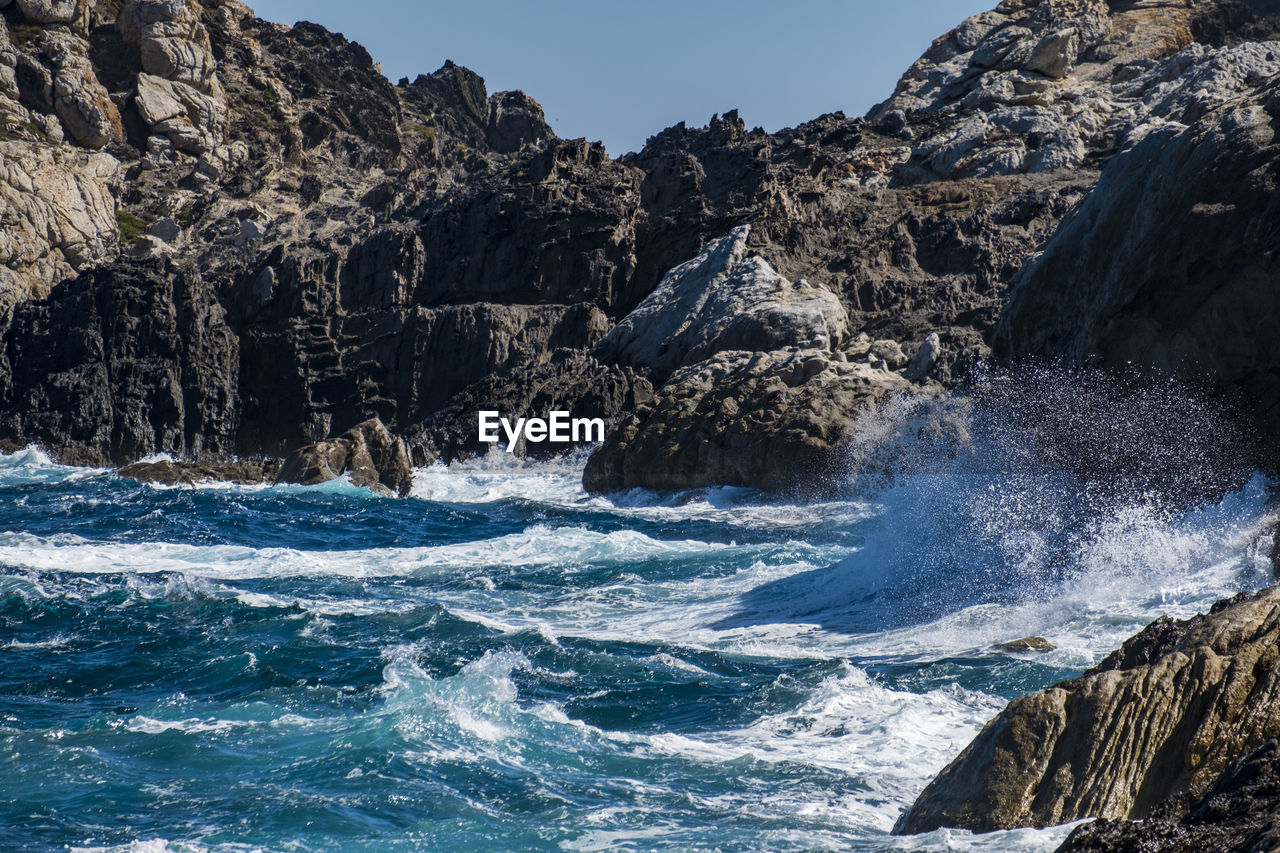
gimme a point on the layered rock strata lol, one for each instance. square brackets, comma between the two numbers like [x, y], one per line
[1153, 725]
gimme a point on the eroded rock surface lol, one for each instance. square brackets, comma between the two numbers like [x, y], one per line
[368, 453]
[771, 420]
[1170, 266]
[255, 241]
[1153, 725]
[724, 300]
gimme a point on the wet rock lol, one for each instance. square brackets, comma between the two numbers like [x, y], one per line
[1186, 288]
[176, 473]
[773, 421]
[368, 453]
[1157, 722]
[1026, 644]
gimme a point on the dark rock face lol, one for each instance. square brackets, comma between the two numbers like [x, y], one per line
[367, 452]
[1152, 727]
[572, 381]
[1239, 814]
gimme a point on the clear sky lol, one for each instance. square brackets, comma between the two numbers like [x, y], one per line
[622, 70]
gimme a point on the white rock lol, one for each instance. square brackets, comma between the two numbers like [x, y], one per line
[723, 300]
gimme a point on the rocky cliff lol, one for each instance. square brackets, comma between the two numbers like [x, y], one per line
[225, 237]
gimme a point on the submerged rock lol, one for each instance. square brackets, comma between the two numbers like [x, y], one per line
[1155, 724]
[1026, 644]
[368, 453]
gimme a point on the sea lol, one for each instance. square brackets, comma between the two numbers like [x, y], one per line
[501, 661]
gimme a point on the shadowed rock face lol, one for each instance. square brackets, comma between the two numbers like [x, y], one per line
[1239, 814]
[1170, 266]
[1153, 725]
[772, 420]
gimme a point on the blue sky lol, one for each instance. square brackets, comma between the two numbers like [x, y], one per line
[622, 70]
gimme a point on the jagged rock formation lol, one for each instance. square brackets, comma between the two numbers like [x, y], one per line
[1155, 724]
[723, 300]
[255, 241]
[572, 381]
[368, 453]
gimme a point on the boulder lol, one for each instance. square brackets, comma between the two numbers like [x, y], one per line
[368, 452]
[769, 420]
[724, 300]
[178, 69]
[1157, 722]
[50, 11]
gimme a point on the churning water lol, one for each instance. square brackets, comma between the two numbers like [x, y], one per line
[503, 662]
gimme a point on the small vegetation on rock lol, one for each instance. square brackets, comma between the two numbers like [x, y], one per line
[131, 227]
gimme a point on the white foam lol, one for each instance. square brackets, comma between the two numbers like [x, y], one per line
[33, 465]
[538, 545]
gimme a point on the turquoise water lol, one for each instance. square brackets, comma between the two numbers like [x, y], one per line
[501, 662]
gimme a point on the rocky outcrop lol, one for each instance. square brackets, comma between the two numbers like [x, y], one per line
[60, 216]
[773, 420]
[367, 453]
[572, 381]
[169, 472]
[1239, 814]
[1045, 86]
[1170, 266]
[274, 243]
[177, 92]
[724, 300]
[1155, 724]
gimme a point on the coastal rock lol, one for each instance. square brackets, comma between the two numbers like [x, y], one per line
[51, 11]
[79, 99]
[769, 420]
[1157, 722]
[176, 473]
[1170, 267]
[572, 381]
[60, 216]
[367, 452]
[1237, 815]
[723, 300]
[1026, 644]
[1095, 74]
[178, 68]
